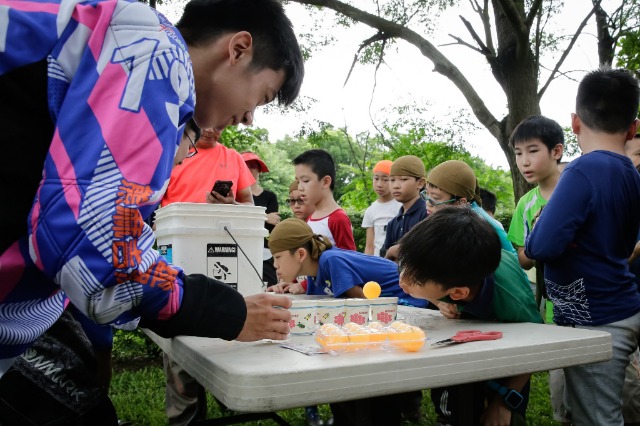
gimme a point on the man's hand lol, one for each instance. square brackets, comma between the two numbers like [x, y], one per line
[268, 317]
[214, 198]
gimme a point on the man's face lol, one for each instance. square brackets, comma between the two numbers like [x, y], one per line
[381, 184]
[228, 89]
[287, 265]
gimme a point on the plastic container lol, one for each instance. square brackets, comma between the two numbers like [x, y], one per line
[375, 336]
[195, 236]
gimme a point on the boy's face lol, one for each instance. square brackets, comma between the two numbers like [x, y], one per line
[228, 89]
[381, 184]
[632, 149]
[287, 264]
[438, 199]
[309, 185]
[405, 188]
[535, 161]
[301, 211]
[430, 290]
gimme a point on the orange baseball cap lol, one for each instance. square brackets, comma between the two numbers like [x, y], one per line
[383, 166]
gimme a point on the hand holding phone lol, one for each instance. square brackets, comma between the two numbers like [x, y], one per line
[222, 187]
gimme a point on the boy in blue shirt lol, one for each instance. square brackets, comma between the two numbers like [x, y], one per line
[454, 259]
[585, 235]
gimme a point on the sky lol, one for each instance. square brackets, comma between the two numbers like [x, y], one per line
[407, 78]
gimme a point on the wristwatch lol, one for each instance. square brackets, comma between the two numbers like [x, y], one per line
[511, 397]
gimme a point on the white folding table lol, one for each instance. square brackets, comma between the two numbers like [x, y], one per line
[262, 377]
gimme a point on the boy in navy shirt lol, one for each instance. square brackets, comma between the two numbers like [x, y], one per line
[585, 235]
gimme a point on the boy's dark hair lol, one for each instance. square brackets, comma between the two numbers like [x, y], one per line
[538, 127]
[453, 247]
[607, 100]
[320, 162]
[274, 43]
[488, 200]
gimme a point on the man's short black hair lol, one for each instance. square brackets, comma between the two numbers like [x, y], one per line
[548, 131]
[453, 247]
[489, 200]
[320, 162]
[607, 100]
[274, 43]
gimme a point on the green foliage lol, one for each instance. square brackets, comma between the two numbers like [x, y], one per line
[629, 52]
[133, 345]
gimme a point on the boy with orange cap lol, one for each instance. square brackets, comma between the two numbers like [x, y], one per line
[381, 211]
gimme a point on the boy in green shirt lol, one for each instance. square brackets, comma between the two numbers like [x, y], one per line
[454, 259]
[538, 143]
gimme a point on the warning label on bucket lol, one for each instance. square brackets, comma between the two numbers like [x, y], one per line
[222, 263]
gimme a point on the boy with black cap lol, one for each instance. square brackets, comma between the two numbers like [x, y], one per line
[406, 179]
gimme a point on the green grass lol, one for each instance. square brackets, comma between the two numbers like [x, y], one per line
[138, 395]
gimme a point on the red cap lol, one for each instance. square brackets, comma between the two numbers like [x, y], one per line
[250, 156]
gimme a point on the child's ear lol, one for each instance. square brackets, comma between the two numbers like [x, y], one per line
[462, 201]
[240, 46]
[575, 123]
[326, 181]
[458, 293]
[557, 151]
[301, 254]
[633, 130]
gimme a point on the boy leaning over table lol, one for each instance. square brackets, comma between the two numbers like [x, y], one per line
[342, 273]
[454, 259]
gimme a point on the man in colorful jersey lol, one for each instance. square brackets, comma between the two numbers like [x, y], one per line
[110, 85]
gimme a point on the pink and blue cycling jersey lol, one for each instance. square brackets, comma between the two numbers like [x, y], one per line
[120, 89]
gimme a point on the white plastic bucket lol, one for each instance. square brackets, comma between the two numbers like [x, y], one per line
[194, 236]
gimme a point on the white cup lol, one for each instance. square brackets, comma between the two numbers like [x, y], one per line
[357, 311]
[331, 311]
[384, 309]
[303, 316]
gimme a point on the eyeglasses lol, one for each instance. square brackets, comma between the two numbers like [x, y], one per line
[193, 145]
[434, 203]
[293, 201]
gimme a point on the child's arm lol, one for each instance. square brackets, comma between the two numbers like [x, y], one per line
[565, 213]
[354, 292]
[340, 227]
[524, 261]
[497, 412]
[369, 246]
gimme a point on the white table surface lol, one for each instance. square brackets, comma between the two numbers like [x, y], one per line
[263, 377]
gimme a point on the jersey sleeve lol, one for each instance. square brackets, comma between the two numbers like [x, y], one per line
[516, 227]
[342, 231]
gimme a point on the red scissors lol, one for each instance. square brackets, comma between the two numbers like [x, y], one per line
[470, 336]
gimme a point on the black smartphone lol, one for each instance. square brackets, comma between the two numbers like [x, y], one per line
[222, 187]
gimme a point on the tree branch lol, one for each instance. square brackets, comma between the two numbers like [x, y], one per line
[533, 12]
[442, 65]
[565, 53]
[511, 12]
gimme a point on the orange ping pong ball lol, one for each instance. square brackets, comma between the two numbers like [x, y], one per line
[371, 290]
